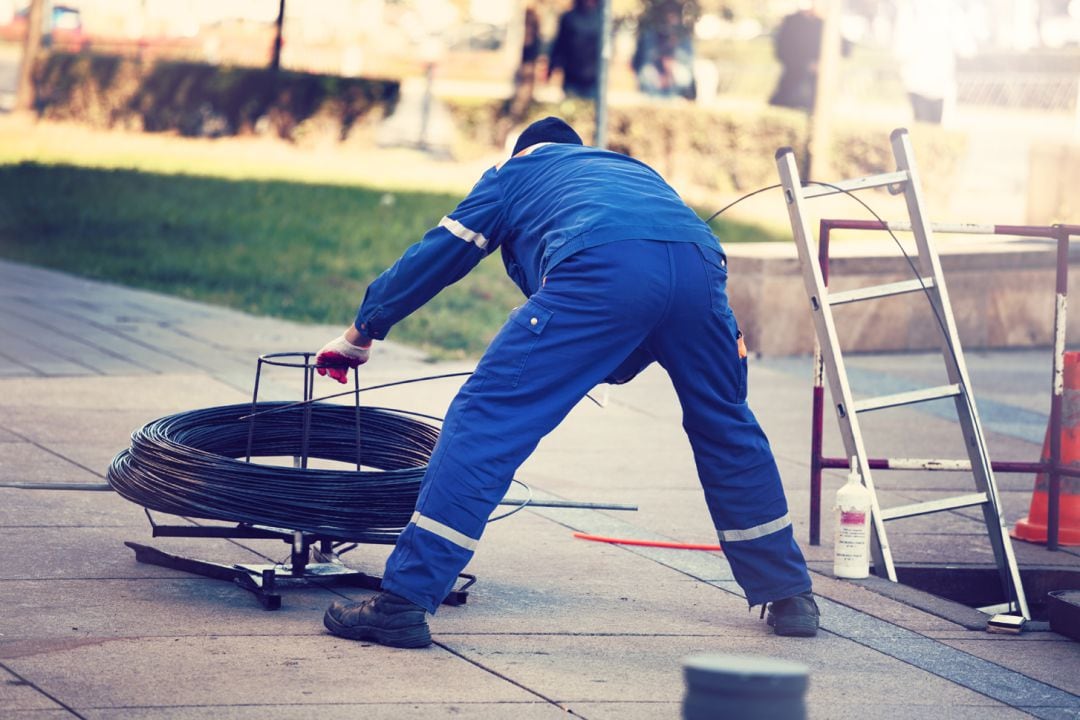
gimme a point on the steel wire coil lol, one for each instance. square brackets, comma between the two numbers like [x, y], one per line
[192, 464]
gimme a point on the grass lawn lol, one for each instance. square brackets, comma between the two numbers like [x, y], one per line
[298, 250]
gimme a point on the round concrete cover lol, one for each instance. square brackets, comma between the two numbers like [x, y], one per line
[745, 674]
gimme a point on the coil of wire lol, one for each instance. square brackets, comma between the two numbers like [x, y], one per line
[193, 464]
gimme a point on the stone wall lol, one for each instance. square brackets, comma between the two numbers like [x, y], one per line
[1002, 294]
[1052, 183]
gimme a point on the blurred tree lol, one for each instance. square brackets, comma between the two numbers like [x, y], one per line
[664, 58]
[821, 116]
[279, 25]
[654, 12]
[24, 96]
[525, 77]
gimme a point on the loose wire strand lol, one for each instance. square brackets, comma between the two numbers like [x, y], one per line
[516, 508]
[735, 202]
[344, 393]
[300, 403]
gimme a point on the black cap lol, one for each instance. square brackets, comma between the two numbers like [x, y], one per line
[550, 129]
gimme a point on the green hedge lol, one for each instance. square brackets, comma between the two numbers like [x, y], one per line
[729, 151]
[200, 99]
[721, 151]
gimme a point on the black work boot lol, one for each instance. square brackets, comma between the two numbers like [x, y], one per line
[796, 616]
[386, 618]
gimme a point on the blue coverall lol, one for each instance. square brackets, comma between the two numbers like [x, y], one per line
[618, 272]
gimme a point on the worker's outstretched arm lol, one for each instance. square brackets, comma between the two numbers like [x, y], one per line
[443, 256]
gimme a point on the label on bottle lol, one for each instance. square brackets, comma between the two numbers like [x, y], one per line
[851, 551]
[852, 517]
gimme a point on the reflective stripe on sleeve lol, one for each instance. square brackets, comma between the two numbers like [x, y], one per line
[444, 531]
[460, 231]
[753, 533]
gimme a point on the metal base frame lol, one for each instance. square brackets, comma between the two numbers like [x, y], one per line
[313, 561]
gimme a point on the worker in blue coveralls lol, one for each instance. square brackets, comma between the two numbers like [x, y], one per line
[618, 273]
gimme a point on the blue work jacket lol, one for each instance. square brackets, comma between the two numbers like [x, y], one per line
[538, 209]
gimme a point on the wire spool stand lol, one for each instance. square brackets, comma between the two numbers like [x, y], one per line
[316, 546]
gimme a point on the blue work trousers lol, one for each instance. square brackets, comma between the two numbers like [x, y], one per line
[596, 312]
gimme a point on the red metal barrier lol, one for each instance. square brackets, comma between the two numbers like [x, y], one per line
[1052, 467]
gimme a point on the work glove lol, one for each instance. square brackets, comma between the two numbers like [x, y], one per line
[338, 356]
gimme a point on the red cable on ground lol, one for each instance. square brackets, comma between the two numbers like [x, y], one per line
[648, 543]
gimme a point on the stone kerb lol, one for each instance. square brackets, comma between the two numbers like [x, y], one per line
[1001, 289]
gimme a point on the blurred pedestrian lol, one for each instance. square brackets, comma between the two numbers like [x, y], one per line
[576, 50]
[797, 45]
[664, 58]
[928, 36]
[525, 77]
[618, 273]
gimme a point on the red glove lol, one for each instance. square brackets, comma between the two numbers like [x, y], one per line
[338, 356]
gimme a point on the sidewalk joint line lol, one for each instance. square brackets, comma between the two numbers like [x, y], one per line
[510, 680]
[39, 446]
[36, 688]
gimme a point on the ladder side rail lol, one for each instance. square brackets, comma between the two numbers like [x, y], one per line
[930, 265]
[825, 329]
[957, 371]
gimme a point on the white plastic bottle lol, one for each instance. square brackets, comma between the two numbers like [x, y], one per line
[851, 546]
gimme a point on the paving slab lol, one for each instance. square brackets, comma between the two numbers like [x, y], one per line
[77, 612]
[9, 366]
[343, 711]
[168, 393]
[17, 695]
[901, 710]
[108, 429]
[34, 358]
[26, 462]
[577, 587]
[28, 509]
[1047, 662]
[276, 670]
[576, 670]
[65, 336]
[100, 553]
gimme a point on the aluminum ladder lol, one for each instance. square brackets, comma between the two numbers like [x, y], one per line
[929, 281]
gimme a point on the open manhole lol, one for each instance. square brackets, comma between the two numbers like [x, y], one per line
[957, 592]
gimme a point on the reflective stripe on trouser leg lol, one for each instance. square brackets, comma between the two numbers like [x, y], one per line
[697, 344]
[766, 560]
[444, 531]
[753, 533]
[595, 308]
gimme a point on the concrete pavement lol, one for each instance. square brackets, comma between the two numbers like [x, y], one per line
[554, 625]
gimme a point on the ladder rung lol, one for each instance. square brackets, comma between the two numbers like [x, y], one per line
[879, 291]
[941, 464]
[907, 398]
[953, 503]
[864, 183]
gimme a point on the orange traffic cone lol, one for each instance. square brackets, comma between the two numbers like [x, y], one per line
[1033, 527]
